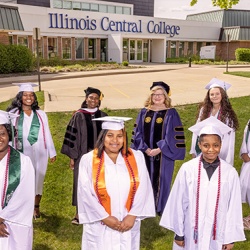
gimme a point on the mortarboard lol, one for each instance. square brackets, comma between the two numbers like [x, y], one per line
[6, 117]
[210, 126]
[27, 86]
[163, 85]
[112, 122]
[217, 83]
[91, 90]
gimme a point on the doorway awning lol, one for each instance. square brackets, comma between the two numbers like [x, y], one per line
[10, 19]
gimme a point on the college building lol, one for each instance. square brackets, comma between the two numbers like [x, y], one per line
[118, 30]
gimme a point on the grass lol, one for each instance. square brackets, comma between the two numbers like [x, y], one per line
[240, 73]
[54, 231]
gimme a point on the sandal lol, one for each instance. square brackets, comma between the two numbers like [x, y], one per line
[36, 214]
[75, 221]
[246, 224]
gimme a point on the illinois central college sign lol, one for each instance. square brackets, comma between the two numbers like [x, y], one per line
[63, 21]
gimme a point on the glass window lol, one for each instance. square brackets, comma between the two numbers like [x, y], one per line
[198, 48]
[40, 48]
[125, 50]
[92, 48]
[85, 6]
[145, 50]
[126, 10]
[181, 49]
[79, 48]
[173, 49]
[166, 49]
[111, 9]
[66, 48]
[10, 39]
[94, 7]
[22, 40]
[190, 48]
[52, 47]
[67, 5]
[139, 50]
[76, 6]
[103, 8]
[57, 4]
[118, 9]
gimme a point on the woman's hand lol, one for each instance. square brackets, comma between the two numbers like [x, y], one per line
[127, 223]
[148, 151]
[180, 243]
[53, 159]
[112, 222]
[227, 246]
[72, 164]
[154, 152]
[3, 230]
[245, 157]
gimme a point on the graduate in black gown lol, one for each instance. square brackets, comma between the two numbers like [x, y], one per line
[159, 134]
[81, 135]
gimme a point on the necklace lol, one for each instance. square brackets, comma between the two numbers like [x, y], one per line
[197, 203]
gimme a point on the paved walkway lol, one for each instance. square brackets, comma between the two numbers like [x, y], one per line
[128, 88]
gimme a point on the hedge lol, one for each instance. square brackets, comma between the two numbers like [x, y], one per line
[242, 54]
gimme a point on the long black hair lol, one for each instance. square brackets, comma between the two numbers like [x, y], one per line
[100, 143]
[17, 102]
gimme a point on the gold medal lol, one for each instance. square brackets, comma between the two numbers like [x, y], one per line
[148, 119]
[159, 120]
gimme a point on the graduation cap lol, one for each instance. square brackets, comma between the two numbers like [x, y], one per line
[27, 86]
[6, 117]
[112, 122]
[218, 83]
[210, 126]
[163, 85]
[91, 90]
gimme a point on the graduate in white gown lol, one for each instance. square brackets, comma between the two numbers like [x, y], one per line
[33, 136]
[114, 191]
[204, 207]
[17, 190]
[245, 171]
[217, 104]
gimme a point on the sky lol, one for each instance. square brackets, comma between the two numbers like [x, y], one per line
[179, 9]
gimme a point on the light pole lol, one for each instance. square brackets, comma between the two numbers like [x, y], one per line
[228, 40]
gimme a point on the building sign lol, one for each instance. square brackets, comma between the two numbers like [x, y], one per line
[63, 21]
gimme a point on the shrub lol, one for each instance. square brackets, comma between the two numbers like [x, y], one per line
[5, 63]
[242, 54]
[125, 63]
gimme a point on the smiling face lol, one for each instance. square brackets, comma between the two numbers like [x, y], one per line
[28, 98]
[113, 141]
[92, 100]
[215, 95]
[210, 146]
[4, 140]
[158, 97]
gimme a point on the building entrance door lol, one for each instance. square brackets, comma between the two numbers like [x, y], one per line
[135, 50]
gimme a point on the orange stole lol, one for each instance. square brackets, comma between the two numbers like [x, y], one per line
[98, 176]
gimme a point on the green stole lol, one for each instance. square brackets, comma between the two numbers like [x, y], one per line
[33, 133]
[13, 175]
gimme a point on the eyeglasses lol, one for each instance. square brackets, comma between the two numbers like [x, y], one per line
[157, 95]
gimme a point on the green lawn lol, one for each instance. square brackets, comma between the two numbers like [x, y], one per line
[240, 73]
[54, 230]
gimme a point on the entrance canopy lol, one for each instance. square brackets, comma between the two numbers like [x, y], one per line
[10, 19]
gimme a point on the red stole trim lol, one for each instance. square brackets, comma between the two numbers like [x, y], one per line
[98, 176]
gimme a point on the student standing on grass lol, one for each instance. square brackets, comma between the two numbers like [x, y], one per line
[159, 134]
[204, 207]
[217, 104]
[114, 191]
[17, 191]
[33, 136]
[81, 135]
[245, 172]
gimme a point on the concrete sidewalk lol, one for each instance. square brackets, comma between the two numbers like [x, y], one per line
[128, 88]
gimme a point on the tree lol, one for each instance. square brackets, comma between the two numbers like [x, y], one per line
[223, 4]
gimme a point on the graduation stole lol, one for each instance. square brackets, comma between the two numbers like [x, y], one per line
[33, 133]
[12, 175]
[98, 176]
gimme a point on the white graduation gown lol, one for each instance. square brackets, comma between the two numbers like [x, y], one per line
[97, 236]
[227, 147]
[18, 214]
[37, 152]
[245, 169]
[179, 213]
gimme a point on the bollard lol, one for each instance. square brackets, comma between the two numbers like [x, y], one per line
[189, 62]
